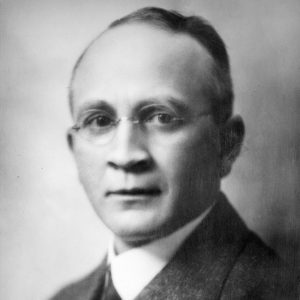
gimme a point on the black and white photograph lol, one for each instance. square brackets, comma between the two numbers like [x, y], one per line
[149, 149]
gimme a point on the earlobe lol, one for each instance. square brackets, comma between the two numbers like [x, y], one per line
[70, 140]
[232, 135]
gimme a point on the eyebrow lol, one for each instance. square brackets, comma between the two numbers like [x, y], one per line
[95, 104]
[178, 104]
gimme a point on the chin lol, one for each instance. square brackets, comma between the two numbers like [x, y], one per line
[136, 228]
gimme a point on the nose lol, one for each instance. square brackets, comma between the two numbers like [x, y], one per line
[129, 149]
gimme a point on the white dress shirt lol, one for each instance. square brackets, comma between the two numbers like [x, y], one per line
[133, 269]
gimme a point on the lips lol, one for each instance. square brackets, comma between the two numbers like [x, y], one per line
[135, 192]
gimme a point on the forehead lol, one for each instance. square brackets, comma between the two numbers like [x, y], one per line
[137, 61]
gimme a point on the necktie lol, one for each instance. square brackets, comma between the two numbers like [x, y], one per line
[109, 291]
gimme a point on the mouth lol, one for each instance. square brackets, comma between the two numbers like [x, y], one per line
[135, 192]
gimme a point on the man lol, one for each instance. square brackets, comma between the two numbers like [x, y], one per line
[154, 133]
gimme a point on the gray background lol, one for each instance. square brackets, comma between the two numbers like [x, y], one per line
[49, 233]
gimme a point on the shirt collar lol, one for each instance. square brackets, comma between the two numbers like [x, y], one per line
[132, 270]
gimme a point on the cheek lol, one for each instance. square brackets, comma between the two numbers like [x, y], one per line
[189, 162]
[91, 169]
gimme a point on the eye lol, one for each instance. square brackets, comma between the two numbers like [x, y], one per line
[161, 118]
[163, 121]
[99, 122]
[102, 121]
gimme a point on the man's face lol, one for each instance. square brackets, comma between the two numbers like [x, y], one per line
[150, 178]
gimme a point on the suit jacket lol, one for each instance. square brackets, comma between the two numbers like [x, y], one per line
[221, 259]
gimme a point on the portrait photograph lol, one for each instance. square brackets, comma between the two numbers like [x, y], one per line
[149, 149]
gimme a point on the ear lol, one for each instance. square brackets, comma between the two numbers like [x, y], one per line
[231, 139]
[70, 140]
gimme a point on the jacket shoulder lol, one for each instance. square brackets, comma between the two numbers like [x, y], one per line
[259, 273]
[83, 289]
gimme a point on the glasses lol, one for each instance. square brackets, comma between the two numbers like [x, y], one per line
[100, 127]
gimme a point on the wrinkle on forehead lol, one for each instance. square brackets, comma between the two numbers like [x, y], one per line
[121, 55]
[144, 43]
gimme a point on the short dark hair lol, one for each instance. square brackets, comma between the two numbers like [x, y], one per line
[219, 86]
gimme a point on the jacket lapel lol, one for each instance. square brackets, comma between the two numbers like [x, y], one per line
[201, 266]
[95, 282]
